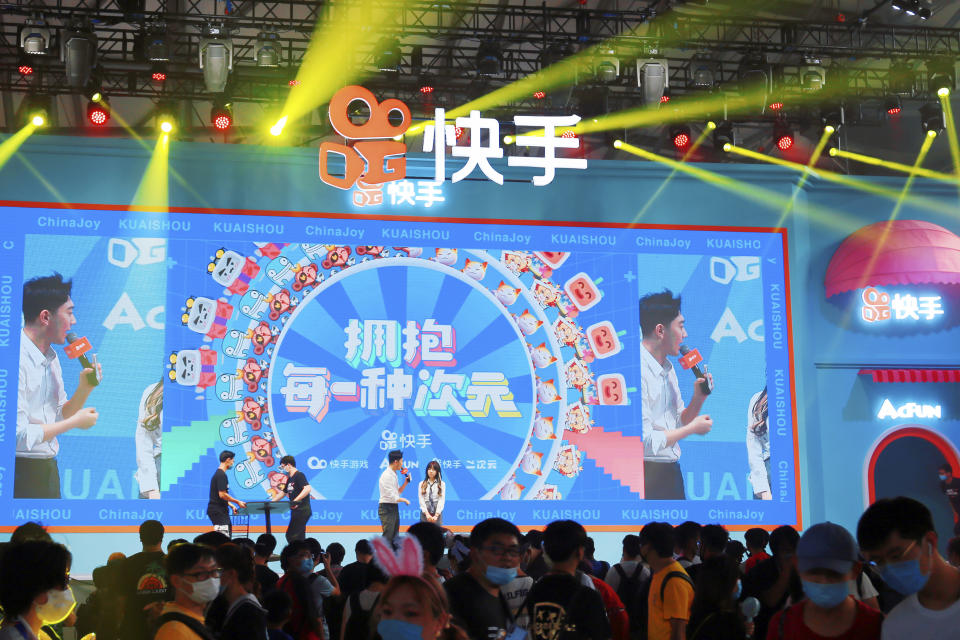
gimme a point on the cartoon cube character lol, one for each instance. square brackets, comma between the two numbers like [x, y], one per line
[307, 275]
[207, 317]
[252, 412]
[194, 368]
[253, 372]
[233, 271]
[281, 303]
[261, 449]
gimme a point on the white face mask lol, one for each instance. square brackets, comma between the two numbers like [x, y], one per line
[205, 590]
[59, 604]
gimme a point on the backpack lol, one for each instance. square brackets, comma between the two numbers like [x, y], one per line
[358, 624]
[643, 616]
[633, 591]
[194, 625]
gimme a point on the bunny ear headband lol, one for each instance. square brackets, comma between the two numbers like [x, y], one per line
[407, 562]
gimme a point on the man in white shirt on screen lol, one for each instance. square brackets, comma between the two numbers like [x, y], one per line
[390, 490]
[666, 421]
[43, 410]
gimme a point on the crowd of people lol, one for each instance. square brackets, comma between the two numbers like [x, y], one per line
[684, 582]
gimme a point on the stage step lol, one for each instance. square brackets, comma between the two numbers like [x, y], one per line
[620, 456]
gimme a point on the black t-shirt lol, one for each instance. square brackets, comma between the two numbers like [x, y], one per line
[716, 625]
[480, 614]
[143, 579]
[538, 568]
[295, 485]
[218, 483]
[266, 576]
[248, 621]
[952, 491]
[560, 607]
[763, 576]
[353, 578]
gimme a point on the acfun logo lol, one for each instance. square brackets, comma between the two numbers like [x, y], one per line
[908, 410]
[374, 156]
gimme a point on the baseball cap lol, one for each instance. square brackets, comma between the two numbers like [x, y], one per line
[826, 546]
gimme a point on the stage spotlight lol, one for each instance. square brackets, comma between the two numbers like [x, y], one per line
[783, 136]
[931, 117]
[156, 48]
[426, 89]
[724, 135]
[388, 54]
[554, 54]
[267, 50]
[166, 118]
[98, 112]
[79, 54]
[813, 77]
[911, 7]
[221, 115]
[832, 115]
[704, 72]
[606, 65]
[35, 37]
[489, 59]
[216, 58]
[775, 105]
[897, 5]
[924, 13]
[892, 105]
[680, 136]
[755, 74]
[653, 78]
[158, 72]
[25, 68]
[941, 74]
[35, 109]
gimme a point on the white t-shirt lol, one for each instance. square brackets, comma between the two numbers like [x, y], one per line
[910, 620]
[516, 591]
[869, 591]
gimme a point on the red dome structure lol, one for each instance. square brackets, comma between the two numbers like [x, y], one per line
[913, 252]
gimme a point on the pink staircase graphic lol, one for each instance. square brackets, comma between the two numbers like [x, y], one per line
[620, 456]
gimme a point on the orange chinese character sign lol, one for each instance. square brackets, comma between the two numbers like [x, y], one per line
[876, 305]
[375, 157]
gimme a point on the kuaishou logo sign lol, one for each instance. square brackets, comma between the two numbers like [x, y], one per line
[908, 410]
[374, 155]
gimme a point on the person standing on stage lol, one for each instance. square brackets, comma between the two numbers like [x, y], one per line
[666, 421]
[390, 490]
[43, 410]
[433, 494]
[298, 490]
[950, 487]
[220, 496]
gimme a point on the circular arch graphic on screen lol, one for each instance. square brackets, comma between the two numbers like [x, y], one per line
[405, 354]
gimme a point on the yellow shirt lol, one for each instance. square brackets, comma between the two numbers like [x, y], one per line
[676, 602]
[177, 630]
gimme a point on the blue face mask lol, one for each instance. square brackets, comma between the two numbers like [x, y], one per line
[905, 577]
[306, 565]
[399, 630]
[942, 477]
[827, 595]
[500, 576]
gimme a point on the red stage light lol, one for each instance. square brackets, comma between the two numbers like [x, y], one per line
[776, 106]
[426, 89]
[894, 111]
[459, 132]
[97, 115]
[784, 142]
[568, 134]
[222, 122]
[25, 70]
[664, 99]
[681, 140]
[293, 83]
[539, 95]
[158, 76]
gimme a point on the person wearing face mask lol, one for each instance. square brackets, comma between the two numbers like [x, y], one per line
[476, 601]
[298, 490]
[714, 614]
[412, 608]
[34, 588]
[827, 561]
[559, 605]
[195, 577]
[950, 487]
[236, 613]
[306, 621]
[898, 537]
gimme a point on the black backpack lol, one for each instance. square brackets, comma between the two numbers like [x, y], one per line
[633, 591]
[642, 599]
[358, 624]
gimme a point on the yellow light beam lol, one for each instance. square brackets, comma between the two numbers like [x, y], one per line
[951, 128]
[896, 166]
[153, 192]
[814, 157]
[765, 197]
[663, 185]
[13, 143]
[861, 185]
[43, 180]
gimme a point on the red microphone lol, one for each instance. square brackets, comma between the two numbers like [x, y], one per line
[76, 349]
[691, 358]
